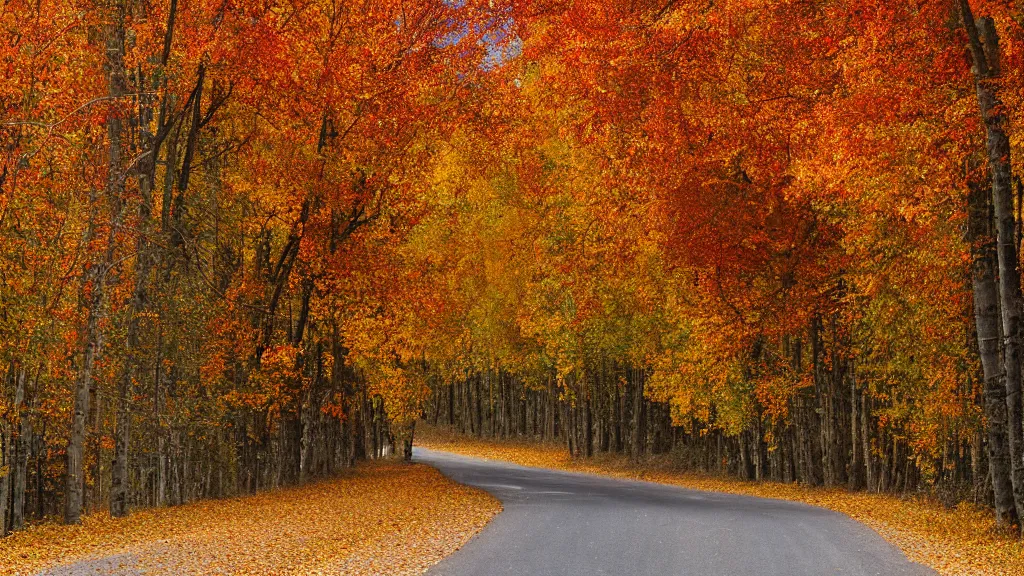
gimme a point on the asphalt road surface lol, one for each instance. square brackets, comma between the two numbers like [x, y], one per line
[563, 524]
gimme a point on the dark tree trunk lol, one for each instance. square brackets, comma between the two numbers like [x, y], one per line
[19, 482]
[865, 436]
[6, 455]
[638, 413]
[477, 408]
[588, 423]
[407, 443]
[856, 460]
[451, 405]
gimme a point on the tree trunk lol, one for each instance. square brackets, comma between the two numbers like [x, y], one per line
[638, 413]
[978, 463]
[588, 422]
[856, 454]
[307, 415]
[984, 44]
[865, 436]
[570, 428]
[83, 383]
[477, 409]
[988, 329]
[95, 277]
[744, 456]
[19, 482]
[451, 405]
[552, 407]
[146, 174]
[407, 442]
[5, 475]
[616, 414]
[491, 422]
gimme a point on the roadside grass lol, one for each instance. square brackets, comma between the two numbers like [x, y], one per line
[954, 542]
[381, 518]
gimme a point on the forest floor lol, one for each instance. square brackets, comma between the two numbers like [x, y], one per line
[954, 542]
[382, 518]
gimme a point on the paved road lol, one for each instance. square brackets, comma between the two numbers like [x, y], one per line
[562, 524]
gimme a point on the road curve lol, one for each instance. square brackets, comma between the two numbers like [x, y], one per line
[564, 524]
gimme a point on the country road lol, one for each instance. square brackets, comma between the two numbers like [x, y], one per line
[564, 524]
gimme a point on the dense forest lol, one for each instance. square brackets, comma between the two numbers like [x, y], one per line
[245, 244]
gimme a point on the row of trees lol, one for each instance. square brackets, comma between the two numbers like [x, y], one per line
[778, 239]
[201, 206]
[244, 245]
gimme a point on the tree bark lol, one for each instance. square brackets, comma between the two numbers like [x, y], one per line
[19, 482]
[307, 419]
[865, 436]
[132, 360]
[5, 474]
[451, 405]
[146, 177]
[407, 442]
[984, 47]
[94, 278]
[91, 342]
[856, 459]
[477, 408]
[638, 413]
[588, 420]
[988, 329]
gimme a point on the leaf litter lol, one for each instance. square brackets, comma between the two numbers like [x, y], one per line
[383, 518]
